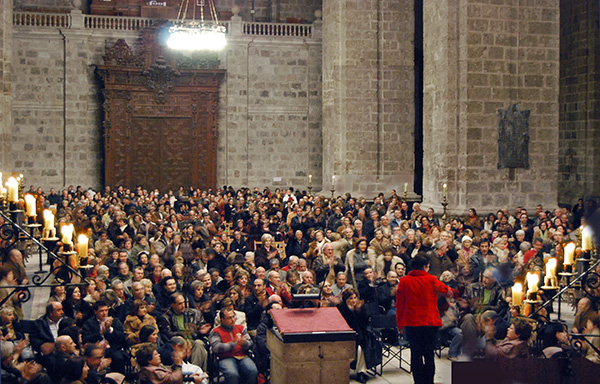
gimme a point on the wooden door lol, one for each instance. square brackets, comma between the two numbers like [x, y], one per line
[160, 123]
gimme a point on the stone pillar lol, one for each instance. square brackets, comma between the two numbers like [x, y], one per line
[368, 109]
[579, 149]
[480, 58]
[315, 105]
[80, 145]
[232, 164]
[6, 46]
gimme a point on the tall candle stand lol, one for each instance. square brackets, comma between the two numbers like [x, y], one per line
[531, 302]
[32, 226]
[405, 196]
[445, 211]
[332, 192]
[550, 288]
[310, 188]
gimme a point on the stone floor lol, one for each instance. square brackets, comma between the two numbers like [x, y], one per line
[35, 307]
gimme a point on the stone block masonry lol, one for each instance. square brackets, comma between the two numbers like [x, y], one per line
[269, 110]
[579, 149]
[480, 57]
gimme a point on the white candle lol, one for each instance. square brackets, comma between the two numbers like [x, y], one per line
[517, 294]
[13, 190]
[532, 282]
[67, 233]
[445, 189]
[309, 179]
[48, 222]
[551, 268]
[82, 245]
[405, 187]
[587, 239]
[569, 253]
[332, 181]
[30, 205]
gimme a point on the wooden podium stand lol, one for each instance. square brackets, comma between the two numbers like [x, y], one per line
[309, 346]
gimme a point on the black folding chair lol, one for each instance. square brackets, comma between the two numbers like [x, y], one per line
[391, 343]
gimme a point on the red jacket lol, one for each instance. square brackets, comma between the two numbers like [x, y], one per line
[416, 300]
[227, 337]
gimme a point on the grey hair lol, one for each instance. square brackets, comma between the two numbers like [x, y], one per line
[6, 348]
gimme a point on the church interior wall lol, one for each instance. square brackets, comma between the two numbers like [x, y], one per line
[270, 113]
[289, 108]
[479, 59]
[579, 151]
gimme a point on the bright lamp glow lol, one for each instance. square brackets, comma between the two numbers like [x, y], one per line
[196, 38]
[194, 35]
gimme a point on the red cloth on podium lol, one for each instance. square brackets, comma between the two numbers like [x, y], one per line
[306, 320]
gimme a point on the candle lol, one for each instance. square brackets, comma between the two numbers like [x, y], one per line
[550, 278]
[569, 253]
[551, 268]
[82, 246]
[405, 187]
[532, 285]
[13, 188]
[517, 294]
[587, 239]
[67, 233]
[48, 223]
[332, 181]
[30, 205]
[445, 189]
[309, 179]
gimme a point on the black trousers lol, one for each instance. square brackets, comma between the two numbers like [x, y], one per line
[422, 346]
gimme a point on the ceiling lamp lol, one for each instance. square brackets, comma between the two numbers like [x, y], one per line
[196, 35]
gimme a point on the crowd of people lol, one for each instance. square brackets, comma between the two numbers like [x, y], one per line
[180, 282]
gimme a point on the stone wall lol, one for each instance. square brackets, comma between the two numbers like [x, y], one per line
[264, 10]
[368, 113]
[479, 59]
[6, 42]
[269, 111]
[579, 148]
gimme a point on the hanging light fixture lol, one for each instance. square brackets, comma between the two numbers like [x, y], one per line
[196, 35]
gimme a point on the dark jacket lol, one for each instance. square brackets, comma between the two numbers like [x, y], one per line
[91, 333]
[40, 333]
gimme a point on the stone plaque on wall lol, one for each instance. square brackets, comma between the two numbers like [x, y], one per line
[513, 137]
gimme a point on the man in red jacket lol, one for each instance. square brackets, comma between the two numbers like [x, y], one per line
[230, 343]
[417, 313]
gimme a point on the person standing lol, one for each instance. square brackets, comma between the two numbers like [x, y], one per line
[417, 313]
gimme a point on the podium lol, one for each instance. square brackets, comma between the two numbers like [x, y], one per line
[310, 346]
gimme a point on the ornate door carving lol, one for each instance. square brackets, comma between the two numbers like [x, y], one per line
[160, 118]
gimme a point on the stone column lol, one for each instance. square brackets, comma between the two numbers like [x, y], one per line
[6, 124]
[480, 58]
[80, 145]
[315, 104]
[368, 109]
[232, 164]
[579, 150]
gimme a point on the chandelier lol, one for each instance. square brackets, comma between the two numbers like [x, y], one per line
[196, 35]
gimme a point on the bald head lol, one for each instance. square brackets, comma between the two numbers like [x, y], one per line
[65, 344]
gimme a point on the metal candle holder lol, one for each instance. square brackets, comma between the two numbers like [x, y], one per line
[445, 205]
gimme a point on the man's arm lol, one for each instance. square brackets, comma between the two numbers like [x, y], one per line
[217, 345]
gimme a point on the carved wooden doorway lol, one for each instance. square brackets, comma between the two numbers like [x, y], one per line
[160, 119]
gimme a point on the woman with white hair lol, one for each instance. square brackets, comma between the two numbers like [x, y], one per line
[266, 252]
